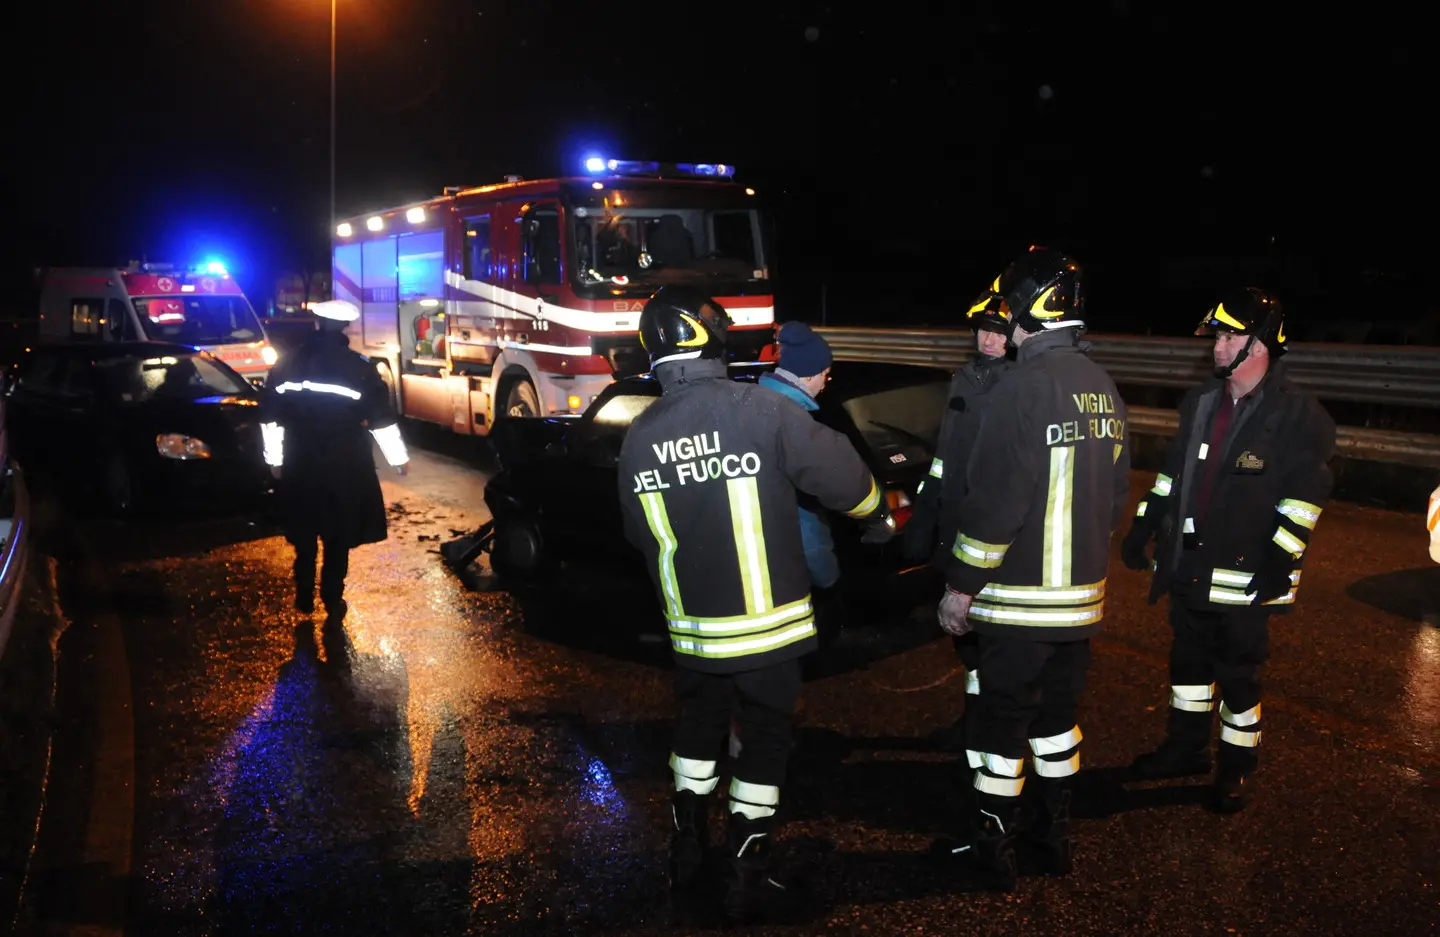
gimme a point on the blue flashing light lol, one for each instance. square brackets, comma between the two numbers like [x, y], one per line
[215, 268]
[707, 169]
[594, 164]
[635, 167]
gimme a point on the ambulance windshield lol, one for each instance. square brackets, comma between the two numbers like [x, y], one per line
[199, 320]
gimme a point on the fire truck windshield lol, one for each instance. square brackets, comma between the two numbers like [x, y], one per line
[199, 320]
[659, 245]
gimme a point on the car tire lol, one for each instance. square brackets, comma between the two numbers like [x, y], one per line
[518, 554]
[521, 401]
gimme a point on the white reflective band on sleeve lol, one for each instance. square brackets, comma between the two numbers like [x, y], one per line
[391, 445]
[1194, 699]
[937, 468]
[1240, 720]
[272, 436]
[1055, 744]
[337, 389]
[1162, 486]
[972, 683]
[1204, 450]
[1058, 769]
[1237, 737]
[1189, 526]
[1000, 787]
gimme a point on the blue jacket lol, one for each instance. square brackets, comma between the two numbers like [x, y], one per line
[814, 527]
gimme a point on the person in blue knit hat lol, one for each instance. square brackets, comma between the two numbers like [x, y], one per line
[801, 373]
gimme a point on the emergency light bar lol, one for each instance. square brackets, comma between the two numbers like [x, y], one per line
[634, 167]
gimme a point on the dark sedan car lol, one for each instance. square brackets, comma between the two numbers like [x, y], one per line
[139, 424]
[556, 498]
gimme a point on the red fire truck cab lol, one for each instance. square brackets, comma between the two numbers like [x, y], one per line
[523, 298]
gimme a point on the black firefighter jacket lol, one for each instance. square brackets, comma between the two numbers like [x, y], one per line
[707, 479]
[1272, 482]
[326, 399]
[1046, 486]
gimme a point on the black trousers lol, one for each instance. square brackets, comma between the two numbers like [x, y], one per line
[332, 575]
[762, 703]
[1029, 696]
[1226, 651]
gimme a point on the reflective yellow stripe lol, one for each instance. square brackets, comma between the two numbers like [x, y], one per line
[937, 468]
[1162, 486]
[658, 520]
[750, 543]
[1056, 571]
[739, 635]
[1288, 542]
[1000, 594]
[1140, 509]
[868, 504]
[1007, 615]
[1302, 513]
[978, 553]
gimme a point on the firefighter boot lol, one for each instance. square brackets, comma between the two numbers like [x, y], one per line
[753, 890]
[690, 815]
[1234, 784]
[304, 585]
[1184, 752]
[988, 848]
[1051, 833]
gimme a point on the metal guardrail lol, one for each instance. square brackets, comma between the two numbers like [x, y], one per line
[1405, 375]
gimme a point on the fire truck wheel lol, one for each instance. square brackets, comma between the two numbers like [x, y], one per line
[522, 401]
[518, 553]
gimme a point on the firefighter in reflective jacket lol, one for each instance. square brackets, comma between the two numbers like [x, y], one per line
[930, 533]
[1045, 488]
[708, 477]
[1245, 479]
[319, 402]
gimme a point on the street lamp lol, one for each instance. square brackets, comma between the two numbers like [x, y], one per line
[332, 120]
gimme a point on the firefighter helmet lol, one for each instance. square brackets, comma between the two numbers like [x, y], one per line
[988, 312]
[1249, 311]
[681, 323]
[1042, 290]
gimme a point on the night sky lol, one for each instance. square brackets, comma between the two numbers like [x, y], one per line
[907, 150]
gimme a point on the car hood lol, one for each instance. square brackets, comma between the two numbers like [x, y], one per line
[227, 425]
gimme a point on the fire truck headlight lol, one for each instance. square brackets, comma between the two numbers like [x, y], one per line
[269, 355]
[574, 402]
[181, 447]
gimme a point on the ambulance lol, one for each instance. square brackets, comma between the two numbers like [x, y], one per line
[201, 306]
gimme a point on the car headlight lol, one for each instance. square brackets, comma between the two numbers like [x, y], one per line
[178, 446]
[269, 355]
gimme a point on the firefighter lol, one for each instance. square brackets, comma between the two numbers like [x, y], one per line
[1232, 513]
[708, 480]
[928, 535]
[319, 401]
[1044, 490]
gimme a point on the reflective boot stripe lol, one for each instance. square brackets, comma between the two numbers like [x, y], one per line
[1194, 699]
[693, 775]
[1242, 729]
[1048, 768]
[1057, 744]
[997, 774]
[753, 800]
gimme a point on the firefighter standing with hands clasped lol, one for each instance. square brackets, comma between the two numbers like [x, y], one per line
[707, 477]
[1232, 514]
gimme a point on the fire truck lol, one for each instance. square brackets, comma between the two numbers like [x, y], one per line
[523, 298]
[201, 306]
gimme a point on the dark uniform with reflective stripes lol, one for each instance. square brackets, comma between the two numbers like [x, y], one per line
[708, 477]
[1046, 486]
[321, 406]
[1243, 487]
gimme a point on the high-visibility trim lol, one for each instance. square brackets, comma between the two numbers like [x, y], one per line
[1304, 513]
[1242, 720]
[1056, 555]
[1188, 527]
[972, 683]
[1204, 450]
[1000, 787]
[653, 504]
[978, 553]
[868, 504]
[1056, 744]
[1001, 594]
[973, 758]
[999, 764]
[1233, 736]
[338, 390]
[750, 543]
[1027, 617]
[391, 445]
[693, 775]
[1163, 484]
[1288, 542]
[1140, 508]
[753, 800]
[272, 437]
[937, 467]
[1046, 768]
[1228, 588]
[1193, 698]
[1119, 448]
[743, 635]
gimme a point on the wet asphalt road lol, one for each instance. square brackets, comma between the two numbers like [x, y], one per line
[486, 763]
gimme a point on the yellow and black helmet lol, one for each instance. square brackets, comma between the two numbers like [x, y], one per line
[988, 313]
[681, 323]
[1249, 311]
[1043, 290]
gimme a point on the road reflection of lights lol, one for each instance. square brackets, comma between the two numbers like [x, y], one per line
[599, 788]
[1422, 687]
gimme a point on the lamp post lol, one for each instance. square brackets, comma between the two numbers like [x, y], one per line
[331, 232]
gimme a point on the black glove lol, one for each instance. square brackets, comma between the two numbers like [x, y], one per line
[1272, 579]
[879, 529]
[917, 540]
[1132, 548]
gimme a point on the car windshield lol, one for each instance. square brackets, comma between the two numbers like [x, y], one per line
[600, 437]
[665, 244]
[167, 377]
[901, 416]
[199, 320]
